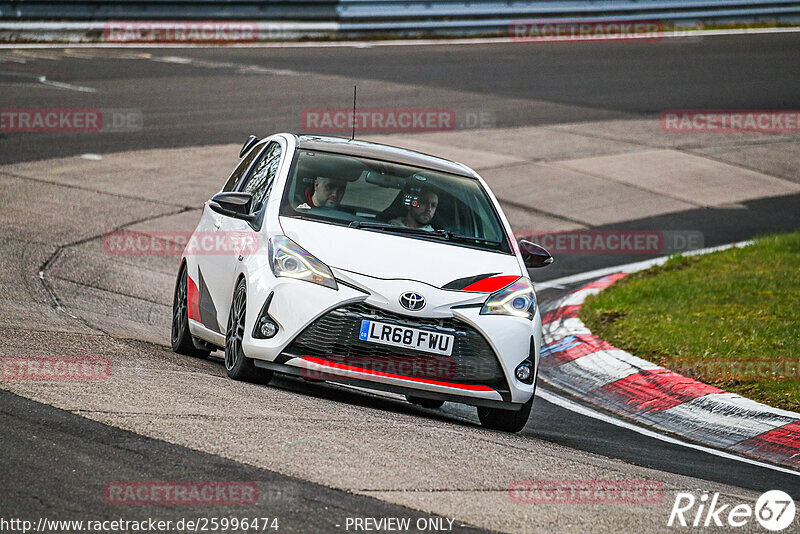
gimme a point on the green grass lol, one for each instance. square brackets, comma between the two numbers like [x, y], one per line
[734, 307]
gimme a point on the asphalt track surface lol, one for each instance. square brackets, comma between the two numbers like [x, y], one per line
[38, 438]
[548, 83]
[47, 453]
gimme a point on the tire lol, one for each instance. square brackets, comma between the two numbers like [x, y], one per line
[181, 338]
[237, 365]
[425, 403]
[505, 420]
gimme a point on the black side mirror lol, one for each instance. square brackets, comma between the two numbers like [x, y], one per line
[534, 255]
[235, 205]
[252, 140]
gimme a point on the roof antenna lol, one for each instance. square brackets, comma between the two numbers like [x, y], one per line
[354, 114]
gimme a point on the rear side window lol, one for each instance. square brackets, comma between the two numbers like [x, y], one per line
[242, 168]
[259, 183]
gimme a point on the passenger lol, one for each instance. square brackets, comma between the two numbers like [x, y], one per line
[421, 215]
[326, 193]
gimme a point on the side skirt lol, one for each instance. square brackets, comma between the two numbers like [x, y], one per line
[207, 335]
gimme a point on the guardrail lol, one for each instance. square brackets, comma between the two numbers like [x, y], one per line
[354, 18]
[377, 9]
[169, 9]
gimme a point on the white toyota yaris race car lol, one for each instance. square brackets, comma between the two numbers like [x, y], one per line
[347, 261]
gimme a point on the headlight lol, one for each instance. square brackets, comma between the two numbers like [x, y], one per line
[289, 259]
[518, 300]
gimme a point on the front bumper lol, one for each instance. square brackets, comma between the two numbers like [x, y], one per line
[319, 337]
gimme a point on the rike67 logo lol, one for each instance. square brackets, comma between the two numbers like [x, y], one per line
[774, 510]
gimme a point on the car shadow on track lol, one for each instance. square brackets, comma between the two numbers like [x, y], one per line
[332, 391]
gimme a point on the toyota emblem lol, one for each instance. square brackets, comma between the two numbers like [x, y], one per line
[412, 301]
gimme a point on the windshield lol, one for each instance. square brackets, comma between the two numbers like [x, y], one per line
[392, 198]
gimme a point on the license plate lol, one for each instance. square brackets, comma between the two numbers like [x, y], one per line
[406, 337]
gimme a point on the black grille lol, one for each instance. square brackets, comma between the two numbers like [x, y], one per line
[334, 337]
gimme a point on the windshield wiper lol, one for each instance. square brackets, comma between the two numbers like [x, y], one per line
[449, 236]
[401, 229]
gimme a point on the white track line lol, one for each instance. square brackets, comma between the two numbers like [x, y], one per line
[44, 81]
[588, 412]
[402, 42]
[62, 85]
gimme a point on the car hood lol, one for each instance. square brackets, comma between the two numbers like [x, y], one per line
[388, 256]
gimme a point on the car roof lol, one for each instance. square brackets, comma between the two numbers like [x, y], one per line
[355, 147]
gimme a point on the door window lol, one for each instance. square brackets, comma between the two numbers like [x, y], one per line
[259, 182]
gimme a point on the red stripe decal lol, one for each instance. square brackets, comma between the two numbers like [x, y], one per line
[192, 299]
[334, 365]
[560, 314]
[491, 284]
[655, 390]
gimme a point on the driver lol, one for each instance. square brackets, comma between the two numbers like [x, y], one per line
[327, 193]
[421, 214]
